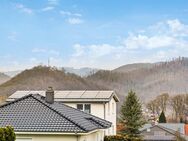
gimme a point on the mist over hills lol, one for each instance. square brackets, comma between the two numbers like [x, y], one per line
[83, 72]
[147, 79]
[3, 78]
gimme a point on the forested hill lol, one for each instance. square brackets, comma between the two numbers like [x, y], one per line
[148, 80]
[40, 77]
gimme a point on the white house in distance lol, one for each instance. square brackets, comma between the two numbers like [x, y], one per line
[98, 103]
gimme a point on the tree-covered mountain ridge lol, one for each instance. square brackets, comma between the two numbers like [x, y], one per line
[147, 79]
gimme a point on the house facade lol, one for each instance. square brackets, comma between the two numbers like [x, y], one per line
[40, 118]
[102, 104]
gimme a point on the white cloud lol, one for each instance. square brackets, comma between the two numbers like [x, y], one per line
[24, 9]
[144, 41]
[48, 8]
[72, 18]
[177, 28]
[68, 13]
[93, 51]
[79, 50]
[163, 41]
[75, 21]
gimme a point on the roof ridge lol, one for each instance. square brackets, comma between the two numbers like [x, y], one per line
[168, 129]
[16, 100]
[57, 111]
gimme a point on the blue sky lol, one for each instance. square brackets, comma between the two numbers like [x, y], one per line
[91, 33]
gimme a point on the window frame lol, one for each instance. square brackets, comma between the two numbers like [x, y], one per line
[84, 107]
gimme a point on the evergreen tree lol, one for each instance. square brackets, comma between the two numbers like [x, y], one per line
[131, 115]
[162, 118]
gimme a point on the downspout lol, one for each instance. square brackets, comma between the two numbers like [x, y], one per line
[104, 114]
[104, 111]
[76, 136]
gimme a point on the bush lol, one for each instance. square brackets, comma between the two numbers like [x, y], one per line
[114, 138]
[120, 138]
[7, 134]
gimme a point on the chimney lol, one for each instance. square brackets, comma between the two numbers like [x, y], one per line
[50, 95]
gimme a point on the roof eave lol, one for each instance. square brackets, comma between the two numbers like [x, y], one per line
[55, 133]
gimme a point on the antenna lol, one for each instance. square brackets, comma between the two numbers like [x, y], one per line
[48, 62]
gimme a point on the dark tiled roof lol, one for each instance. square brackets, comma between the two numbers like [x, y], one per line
[32, 114]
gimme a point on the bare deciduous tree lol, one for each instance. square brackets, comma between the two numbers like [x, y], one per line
[162, 101]
[178, 105]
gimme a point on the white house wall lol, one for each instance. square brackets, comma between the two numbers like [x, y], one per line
[46, 138]
[110, 115]
[95, 136]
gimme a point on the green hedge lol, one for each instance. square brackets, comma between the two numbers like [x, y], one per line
[120, 138]
[7, 134]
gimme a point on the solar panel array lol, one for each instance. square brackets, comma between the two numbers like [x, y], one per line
[68, 95]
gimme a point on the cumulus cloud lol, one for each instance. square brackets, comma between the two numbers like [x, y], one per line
[75, 21]
[177, 28]
[163, 40]
[148, 42]
[48, 8]
[72, 18]
[68, 13]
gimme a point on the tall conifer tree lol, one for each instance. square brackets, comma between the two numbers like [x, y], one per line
[162, 118]
[131, 115]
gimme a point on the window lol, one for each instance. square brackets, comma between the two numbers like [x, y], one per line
[87, 108]
[80, 107]
[84, 107]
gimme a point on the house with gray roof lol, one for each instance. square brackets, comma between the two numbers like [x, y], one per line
[98, 103]
[163, 131]
[40, 118]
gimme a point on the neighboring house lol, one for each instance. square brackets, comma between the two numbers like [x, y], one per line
[38, 118]
[99, 103]
[162, 131]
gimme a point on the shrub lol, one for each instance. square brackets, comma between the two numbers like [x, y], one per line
[120, 138]
[114, 138]
[7, 134]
